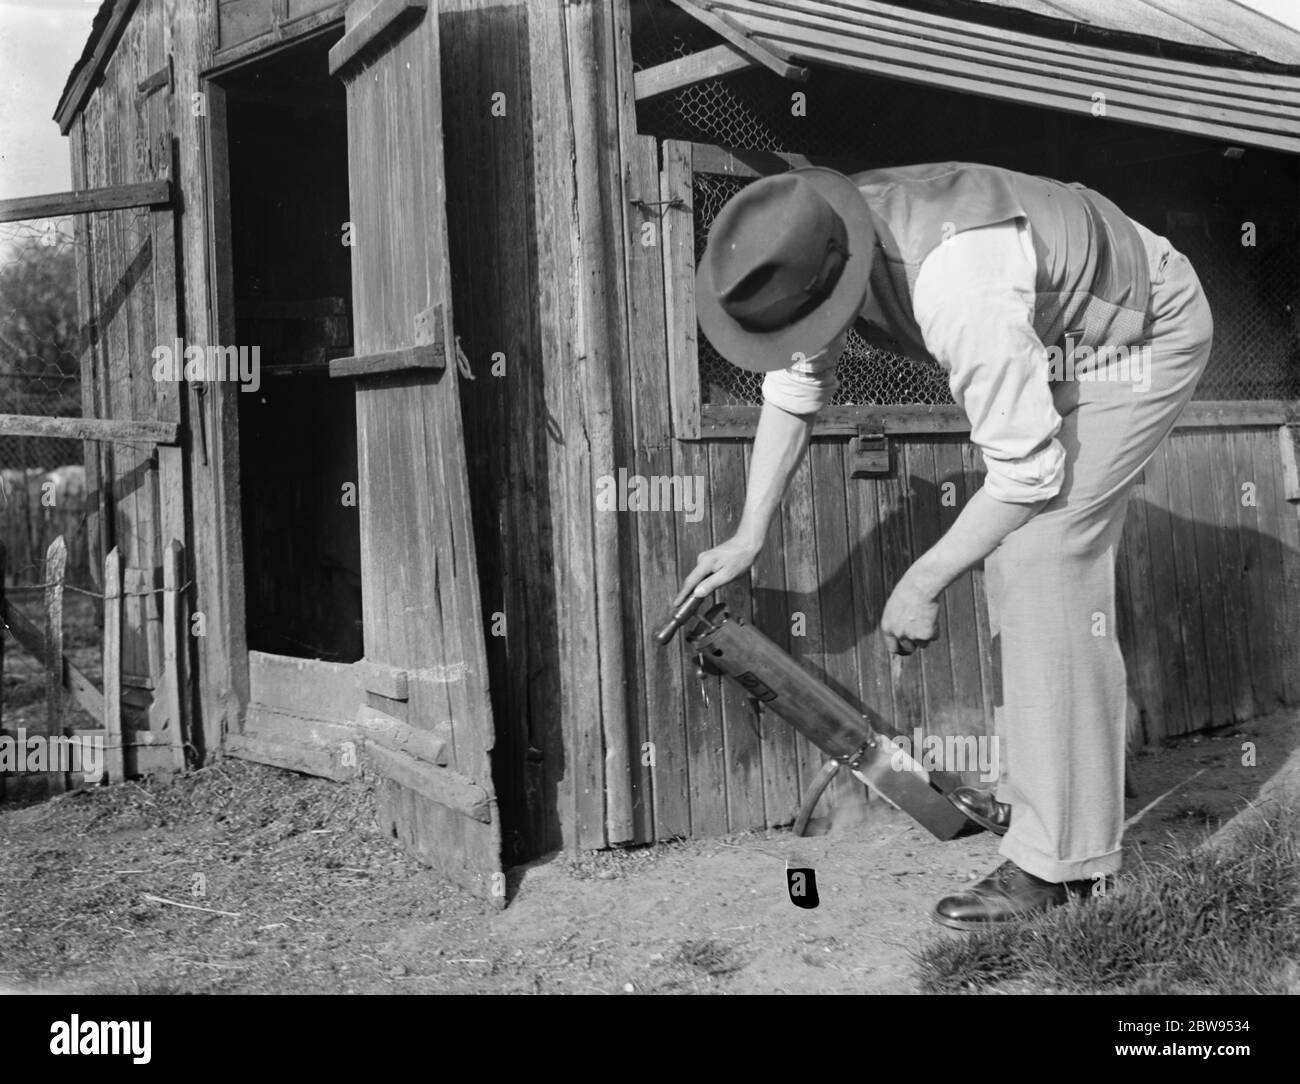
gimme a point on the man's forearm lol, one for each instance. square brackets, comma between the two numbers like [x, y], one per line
[779, 444]
[977, 532]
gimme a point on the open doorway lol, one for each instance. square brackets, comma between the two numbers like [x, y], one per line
[286, 130]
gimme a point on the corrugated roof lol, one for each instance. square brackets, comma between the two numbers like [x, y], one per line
[1203, 24]
[1225, 102]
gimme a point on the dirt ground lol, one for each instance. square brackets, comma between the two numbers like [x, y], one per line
[317, 900]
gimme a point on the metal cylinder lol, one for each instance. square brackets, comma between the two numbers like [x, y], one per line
[770, 675]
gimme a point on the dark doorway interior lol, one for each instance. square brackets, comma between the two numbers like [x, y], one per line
[287, 133]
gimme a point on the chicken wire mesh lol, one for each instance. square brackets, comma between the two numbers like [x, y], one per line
[1253, 290]
[42, 480]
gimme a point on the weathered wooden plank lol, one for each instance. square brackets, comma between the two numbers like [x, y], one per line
[771, 616]
[1068, 52]
[1260, 595]
[677, 198]
[1286, 573]
[705, 741]
[743, 756]
[846, 794]
[56, 563]
[602, 240]
[392, 733]
[422, 358]
[114, 759]
[291, 32]
[295, 757]
[173, 730]
[936, 662]
[129, 432]
[1186, 595]
[1194, 457]
[1126, 103]
[383, 22]
[86, 201]
[1286, 454]
[420, 577]
[822, 29]
[441, 785]
[895, 496]
[309, 687]
[390, 682]
[1220, 483]
[1147, 640]
[770, 56]
[720, 422]
[659, 718]
[707, 64]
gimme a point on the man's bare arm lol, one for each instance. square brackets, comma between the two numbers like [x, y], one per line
[779, 445]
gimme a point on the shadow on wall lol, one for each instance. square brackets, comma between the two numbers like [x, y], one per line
[1204, 623]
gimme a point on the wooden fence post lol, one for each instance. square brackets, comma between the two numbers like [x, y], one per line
[171, 676]
[114, 754]
[56, 561]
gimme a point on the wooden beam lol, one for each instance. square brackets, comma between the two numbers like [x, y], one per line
[382, 23]
[400, 737]
[88, 201]
[775, 59]
[390, 682]
[1287, 458]
[287, 35]
[88, 73]
[675, 183]
[140, 432]
[114, 757]
[159, 79]
[685, 71]
[440, 785]
[731, 423]
[390, 361]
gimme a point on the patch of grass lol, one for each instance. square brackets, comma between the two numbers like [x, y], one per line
[709, 956]
[1205, 919]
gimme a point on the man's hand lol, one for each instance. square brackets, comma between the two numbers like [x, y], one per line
[717, 567]
[911, 616]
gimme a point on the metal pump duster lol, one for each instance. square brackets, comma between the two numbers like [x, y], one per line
[727, 645]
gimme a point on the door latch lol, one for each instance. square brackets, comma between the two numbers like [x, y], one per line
[870, 453]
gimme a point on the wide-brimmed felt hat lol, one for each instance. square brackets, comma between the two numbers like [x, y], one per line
[785, 269]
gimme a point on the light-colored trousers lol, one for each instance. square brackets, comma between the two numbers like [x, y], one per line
[1061, 725]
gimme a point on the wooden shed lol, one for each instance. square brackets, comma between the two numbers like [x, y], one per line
[486, 441]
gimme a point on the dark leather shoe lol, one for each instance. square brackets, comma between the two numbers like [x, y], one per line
[981, 807]
[1005, 894]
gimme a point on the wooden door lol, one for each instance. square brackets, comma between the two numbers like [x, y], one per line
[425, 666]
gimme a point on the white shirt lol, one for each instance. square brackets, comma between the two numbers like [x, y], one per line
[974, 302]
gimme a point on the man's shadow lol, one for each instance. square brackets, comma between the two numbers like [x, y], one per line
[1204, 625]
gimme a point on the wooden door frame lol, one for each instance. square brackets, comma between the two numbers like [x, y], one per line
[214, 411]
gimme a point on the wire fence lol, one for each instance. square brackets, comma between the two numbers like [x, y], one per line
[42, 479]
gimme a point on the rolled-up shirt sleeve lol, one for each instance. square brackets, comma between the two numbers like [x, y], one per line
[807, 385]
[974, 302]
